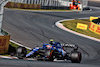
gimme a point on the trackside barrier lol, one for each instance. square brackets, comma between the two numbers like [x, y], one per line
[4, 44]
[94, 27]
[92, 18]
[23, 6]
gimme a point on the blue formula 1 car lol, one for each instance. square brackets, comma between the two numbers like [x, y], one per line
[50, 52]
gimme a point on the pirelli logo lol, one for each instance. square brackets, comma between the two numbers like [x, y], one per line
[82, 26]
[94, 28]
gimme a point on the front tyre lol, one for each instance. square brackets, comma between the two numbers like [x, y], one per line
[76, 57]
[21, 52]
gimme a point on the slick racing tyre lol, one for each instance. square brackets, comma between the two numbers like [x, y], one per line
[76, 57]
[49, 53]
[21, 52]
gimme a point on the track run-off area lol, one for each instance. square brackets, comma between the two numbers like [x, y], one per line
[32, 28]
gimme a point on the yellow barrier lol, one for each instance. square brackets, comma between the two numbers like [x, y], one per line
[94, 28]
[23, 6]
[92, 18]
[82, 26]
[4, 44]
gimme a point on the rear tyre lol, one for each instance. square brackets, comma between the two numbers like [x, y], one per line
[49, 53]
[21, 52]
[76, 57]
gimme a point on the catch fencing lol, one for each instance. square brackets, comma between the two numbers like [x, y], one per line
[51, 2]
[45, 2]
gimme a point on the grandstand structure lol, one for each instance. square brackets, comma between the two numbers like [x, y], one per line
[45, 2]
[50, 2]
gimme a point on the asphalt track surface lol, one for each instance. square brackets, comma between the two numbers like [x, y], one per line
[30, 28]
[93, 3]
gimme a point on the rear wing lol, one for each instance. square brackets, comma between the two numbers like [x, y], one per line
[75, 47]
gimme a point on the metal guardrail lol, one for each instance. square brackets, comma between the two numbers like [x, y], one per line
[1, 1]
[2, 4]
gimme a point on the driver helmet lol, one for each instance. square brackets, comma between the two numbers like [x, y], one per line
[51, 42]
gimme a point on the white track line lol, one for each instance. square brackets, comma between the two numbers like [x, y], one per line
[11, 57]
[8, 57]
[20, 44]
